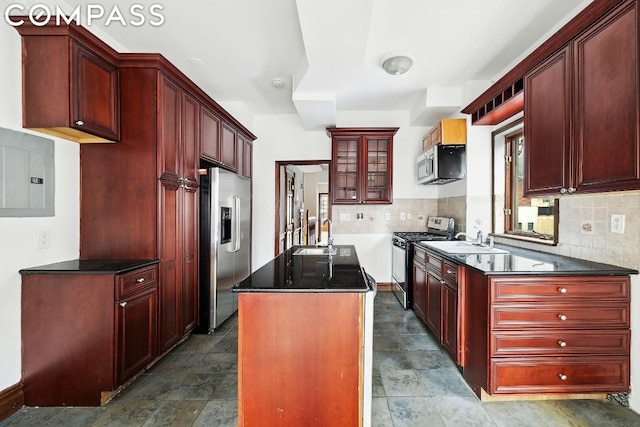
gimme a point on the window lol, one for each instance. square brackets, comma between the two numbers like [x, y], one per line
[515, 215]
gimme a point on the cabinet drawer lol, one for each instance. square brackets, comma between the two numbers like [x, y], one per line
[435, 264]
[560, 375]
[450, 274]
[420, 255]
[576, 316]
[135, 281]
[560, 343]
[560, 289]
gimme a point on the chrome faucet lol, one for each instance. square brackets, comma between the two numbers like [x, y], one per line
[479, 236]
[479, 240]
[330, 231]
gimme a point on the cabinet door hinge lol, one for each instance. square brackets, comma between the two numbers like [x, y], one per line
[508, 159]
[507, 211]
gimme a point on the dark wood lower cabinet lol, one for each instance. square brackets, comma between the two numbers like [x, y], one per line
[419, 289]
[85, 334]
[546, 334]
[436, 298]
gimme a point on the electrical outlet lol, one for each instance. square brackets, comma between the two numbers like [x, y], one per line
[387, 216]
[345, 217]
[408, 216]
[617, 223]
[403, 216]
[44, 239]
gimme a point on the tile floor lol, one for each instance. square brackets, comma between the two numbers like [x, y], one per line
[415, 384]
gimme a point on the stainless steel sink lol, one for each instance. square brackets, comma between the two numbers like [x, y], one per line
[462, 247]
[314, 251]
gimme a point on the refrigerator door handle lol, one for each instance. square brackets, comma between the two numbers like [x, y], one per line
[236, 220]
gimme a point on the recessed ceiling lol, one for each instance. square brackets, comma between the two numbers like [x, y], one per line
[328, 52]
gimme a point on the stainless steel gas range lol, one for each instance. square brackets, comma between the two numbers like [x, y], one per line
[438, 228]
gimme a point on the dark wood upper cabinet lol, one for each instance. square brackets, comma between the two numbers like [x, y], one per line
[361, 165]
[228, 146]
[548, 125]
[581, 111]
[244, 153]
[606, 103]
[210, 137]
[71, 85]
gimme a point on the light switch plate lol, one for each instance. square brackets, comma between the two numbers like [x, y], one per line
[617, 223]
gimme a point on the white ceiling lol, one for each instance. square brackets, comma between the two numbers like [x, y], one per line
[328, 52]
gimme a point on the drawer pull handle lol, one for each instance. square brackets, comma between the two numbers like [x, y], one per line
[140, 280]
[562, 343]
[563, 377]
[562, 290]
[123, 304]
[450, 272]
[562, 317]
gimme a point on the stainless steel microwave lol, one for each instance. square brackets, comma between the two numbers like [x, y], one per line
[441, 164]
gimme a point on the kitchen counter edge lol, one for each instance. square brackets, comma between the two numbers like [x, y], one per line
[91, 266]
[562, 265]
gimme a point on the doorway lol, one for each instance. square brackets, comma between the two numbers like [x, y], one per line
[302, 203]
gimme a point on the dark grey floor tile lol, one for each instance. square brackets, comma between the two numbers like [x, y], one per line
[385, 328]
[403, 383]
[178, 363]
[152, 387]
[597, 413]
[380, 415]
[445, 382]
[175, 413]
[228, 344]
[219, 362]
[219, 413]
[199, 344]
[69, 416]
[197, 387]
[30, 417]
[387, 343]
[411, 327]
[419, 342]
[392, 360]
[377, 386]
[462, 411]
[430, 359]
[228, 387]
[414, 412]
[126, 413]
[528, 414]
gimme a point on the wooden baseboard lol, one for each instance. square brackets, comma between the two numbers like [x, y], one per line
[486, 397]
[384, 287]
[11, 400]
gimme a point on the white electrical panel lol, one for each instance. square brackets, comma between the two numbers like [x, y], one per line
[26, 175]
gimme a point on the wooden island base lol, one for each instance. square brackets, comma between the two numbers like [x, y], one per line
[486, 397]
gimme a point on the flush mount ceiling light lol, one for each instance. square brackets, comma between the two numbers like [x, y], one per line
[396, 63]
[278, 83]
[198, 62]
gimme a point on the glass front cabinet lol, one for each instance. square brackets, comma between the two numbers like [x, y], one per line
[361, 165]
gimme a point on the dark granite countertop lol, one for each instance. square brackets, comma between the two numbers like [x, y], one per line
[308, 273]
[91, 266]
[527, 261]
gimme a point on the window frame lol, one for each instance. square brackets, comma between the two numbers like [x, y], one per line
[503, 135]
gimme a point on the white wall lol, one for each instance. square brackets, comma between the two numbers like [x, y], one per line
[18, 235]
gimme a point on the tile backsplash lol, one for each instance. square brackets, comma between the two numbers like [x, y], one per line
[585, 229]
[402, 215]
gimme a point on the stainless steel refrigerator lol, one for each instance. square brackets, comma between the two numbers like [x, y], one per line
[225, 215]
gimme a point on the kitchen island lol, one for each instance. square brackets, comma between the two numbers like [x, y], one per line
[530, 324]
[305, 330]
